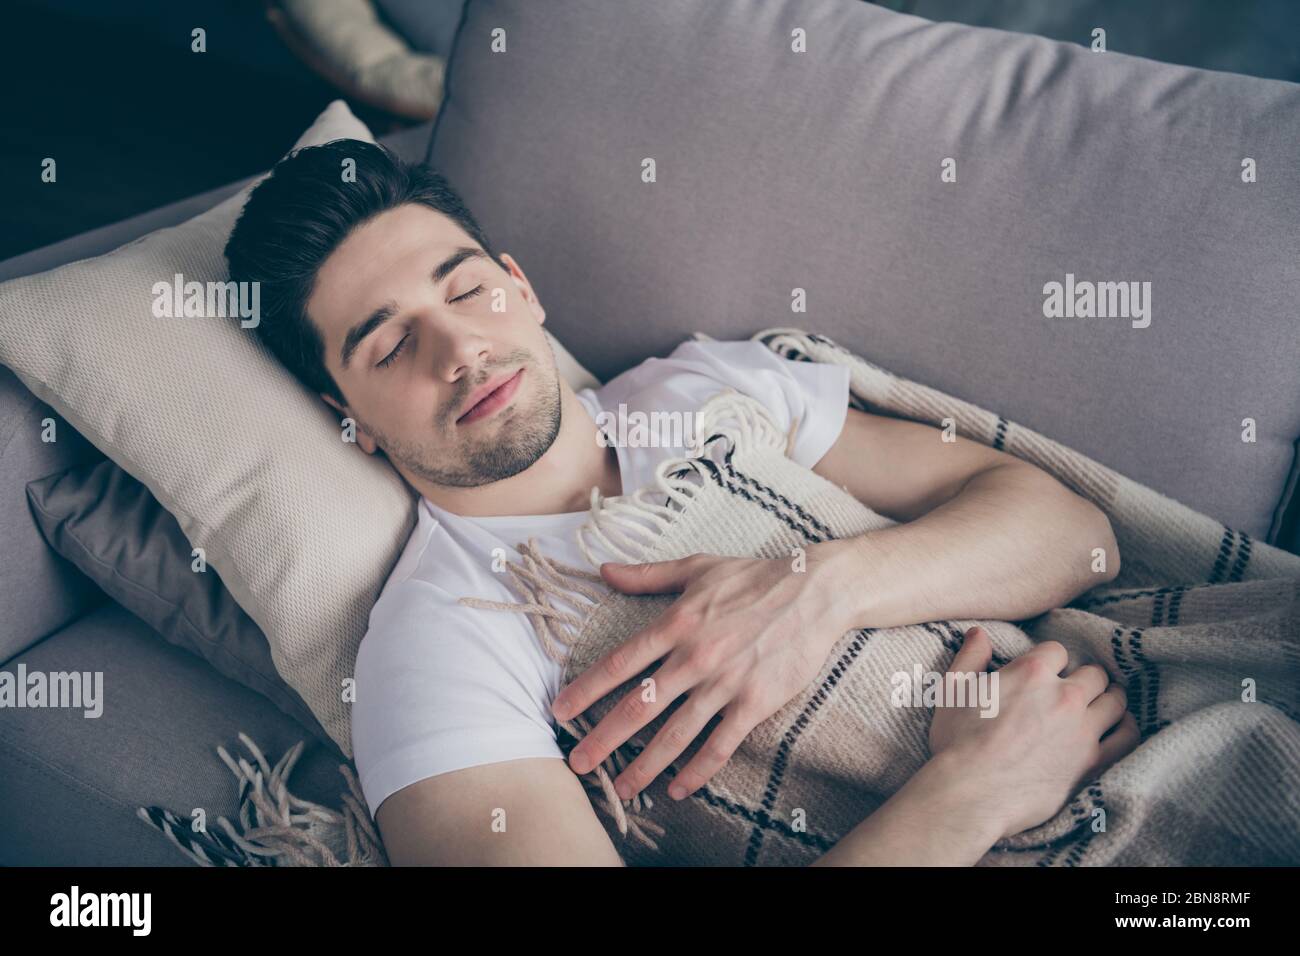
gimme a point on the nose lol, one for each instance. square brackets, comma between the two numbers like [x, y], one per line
[458, 350]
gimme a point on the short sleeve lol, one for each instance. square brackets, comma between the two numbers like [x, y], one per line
[813, 394]
[437, 692]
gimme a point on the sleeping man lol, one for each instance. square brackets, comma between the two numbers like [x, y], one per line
[384, 296]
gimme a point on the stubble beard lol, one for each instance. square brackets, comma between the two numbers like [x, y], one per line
[517, 444]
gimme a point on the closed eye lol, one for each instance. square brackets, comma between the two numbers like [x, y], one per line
[389, 359]
[397, 349]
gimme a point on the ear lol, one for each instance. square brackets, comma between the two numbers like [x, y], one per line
[525, 288]
[364, 439]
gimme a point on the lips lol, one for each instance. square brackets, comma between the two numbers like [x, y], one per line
[491, 397]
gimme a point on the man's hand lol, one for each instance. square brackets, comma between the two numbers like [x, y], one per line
[746, 635]
[982, 535]
[1049, 734]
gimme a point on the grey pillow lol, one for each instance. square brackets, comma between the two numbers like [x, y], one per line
[113, 529]
[821, 170]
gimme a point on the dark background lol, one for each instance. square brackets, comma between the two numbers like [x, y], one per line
[134, 119]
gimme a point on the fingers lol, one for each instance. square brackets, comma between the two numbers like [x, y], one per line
[1109, 712]
[1104, 712]
[677, 733]
[637, 708]
[975, 654]
[1049, 655]
[640, 650]
[659, 577]
[717, 750]
[1121, 742]
[621, 664]
[1093, 679]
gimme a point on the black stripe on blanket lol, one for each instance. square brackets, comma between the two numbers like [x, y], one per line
[1158, 607]
[716, 474]
[1224, 563]
[1243, 557]
[763, 822]
[1141, 680]
[1175, 605]
[791, 737]
[1076, 839]
[1168, 601]
[1226, 544]
[1077, 851]
[952, 638]
[777, 497]
[734, 483]
[1174, 592]
[759, 817]
[1132, 684]
[1149, 722]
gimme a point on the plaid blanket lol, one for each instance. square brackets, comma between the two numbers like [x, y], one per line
[1201, 626]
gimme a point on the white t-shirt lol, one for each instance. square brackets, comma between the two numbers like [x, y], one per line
[441, 686]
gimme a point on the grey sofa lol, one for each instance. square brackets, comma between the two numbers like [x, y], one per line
[773, 173]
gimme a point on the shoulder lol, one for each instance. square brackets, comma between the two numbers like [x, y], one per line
[694, 371]
[420, 634]
[441, 687]
[412, 626]
[711, 359]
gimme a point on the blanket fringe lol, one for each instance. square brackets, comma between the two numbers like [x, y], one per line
[632, 819]
[626, 527]
[542, 581]
[275, 827]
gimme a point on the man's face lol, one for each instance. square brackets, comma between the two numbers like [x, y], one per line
[405, 307]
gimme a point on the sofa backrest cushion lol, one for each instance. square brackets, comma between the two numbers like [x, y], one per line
[823, 171]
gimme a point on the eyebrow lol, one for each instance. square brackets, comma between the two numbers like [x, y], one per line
[357, 334]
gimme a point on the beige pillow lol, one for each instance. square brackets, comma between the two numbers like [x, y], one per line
[302, 527]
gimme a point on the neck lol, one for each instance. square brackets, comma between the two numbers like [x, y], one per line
[558, 482]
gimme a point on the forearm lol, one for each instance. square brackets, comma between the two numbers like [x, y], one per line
[932, 821]
[1011, 544]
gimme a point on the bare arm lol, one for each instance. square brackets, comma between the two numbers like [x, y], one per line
[988, 777]
[934, 820]
[527, 812]
[448, 820]
[985, 535]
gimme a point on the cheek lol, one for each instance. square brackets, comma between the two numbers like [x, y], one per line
[395, 411]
